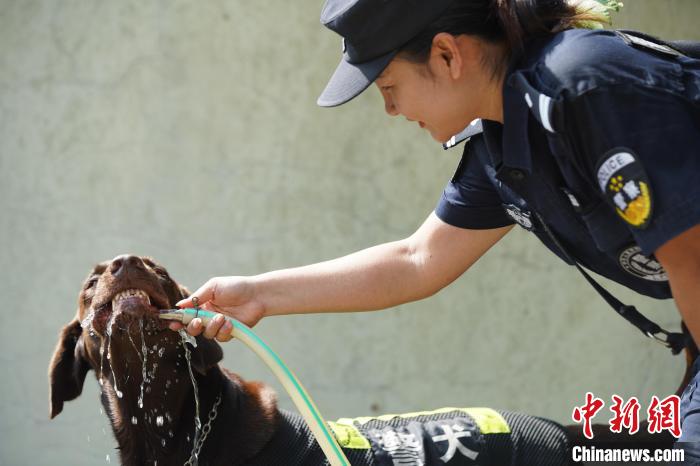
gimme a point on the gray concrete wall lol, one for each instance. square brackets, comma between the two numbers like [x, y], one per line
[188, 131]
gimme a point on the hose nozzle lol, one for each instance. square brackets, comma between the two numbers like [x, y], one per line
[186, 315]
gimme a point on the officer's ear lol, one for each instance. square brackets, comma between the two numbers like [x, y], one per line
[446, 54]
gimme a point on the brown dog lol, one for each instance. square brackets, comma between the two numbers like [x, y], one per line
[155, 390]
[151, 406]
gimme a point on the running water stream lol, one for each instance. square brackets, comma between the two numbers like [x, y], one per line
[144, 353]
[110, 327]
[106, 344]
[187, 338]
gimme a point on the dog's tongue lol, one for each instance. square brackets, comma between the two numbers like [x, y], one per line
[134, 305]
[134, 302]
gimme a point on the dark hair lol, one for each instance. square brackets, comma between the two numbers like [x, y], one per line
[510, 22]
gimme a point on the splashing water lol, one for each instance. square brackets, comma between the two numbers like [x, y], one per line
[144, 352]
[187, 338]
[110, 328]
[102, 361]
[133, 344]
[159, 421]
[134, 421]
[86, 323]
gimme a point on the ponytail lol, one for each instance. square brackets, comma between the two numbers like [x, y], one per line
[521, 20]
[510, 22]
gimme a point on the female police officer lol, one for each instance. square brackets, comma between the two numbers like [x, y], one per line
[588, 138]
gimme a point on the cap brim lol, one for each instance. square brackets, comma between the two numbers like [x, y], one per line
[349, 80]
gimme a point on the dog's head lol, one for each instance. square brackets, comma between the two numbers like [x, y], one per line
[117, 329]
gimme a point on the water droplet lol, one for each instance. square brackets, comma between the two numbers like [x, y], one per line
[88, 437]
[107, 459]
[162, 442]
[159, 420]
[186, 337]
[134, 421]
[170, 434]
[120, 394]
[87, 321]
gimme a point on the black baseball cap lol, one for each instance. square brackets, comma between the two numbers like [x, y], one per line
[373, 31]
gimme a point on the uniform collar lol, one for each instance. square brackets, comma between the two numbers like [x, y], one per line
[508, 143]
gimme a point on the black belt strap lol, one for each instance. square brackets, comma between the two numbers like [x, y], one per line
[673, 340]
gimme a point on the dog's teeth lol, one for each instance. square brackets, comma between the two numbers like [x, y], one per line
[131, 293]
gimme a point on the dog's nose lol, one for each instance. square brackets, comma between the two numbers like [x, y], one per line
[125, 262]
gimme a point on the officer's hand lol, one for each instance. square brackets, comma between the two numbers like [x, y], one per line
[231, 296]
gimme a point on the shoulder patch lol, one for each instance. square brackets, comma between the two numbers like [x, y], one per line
[625, 184]
[634, 262]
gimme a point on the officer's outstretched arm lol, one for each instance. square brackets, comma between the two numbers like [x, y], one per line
[381, 276]
[680, 257]
[374, 278]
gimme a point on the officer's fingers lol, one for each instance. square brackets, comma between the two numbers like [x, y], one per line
[175, 326]
[203, 294]
[209, 306]
[194, 328]
[226, 332]
[214, 326]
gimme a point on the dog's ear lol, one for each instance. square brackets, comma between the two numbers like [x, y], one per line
[68, 368]
[207, 354]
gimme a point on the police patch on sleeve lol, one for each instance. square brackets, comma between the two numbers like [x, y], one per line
[634, 262]
[520, 216]
[624, 182]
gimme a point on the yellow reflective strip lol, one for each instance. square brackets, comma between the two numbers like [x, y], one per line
[349, 437]
[488, 420]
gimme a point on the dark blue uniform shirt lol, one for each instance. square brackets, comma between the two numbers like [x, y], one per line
[601, 143]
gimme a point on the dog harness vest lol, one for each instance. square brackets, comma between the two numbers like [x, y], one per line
[449, 436]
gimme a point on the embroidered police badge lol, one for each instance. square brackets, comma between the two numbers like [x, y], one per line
[624, 182]
[634, 262]
[520, 216]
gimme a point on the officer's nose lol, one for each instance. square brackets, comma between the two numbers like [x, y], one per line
[389, 106]
[125, 262]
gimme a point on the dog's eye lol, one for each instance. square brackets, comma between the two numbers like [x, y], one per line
[92, 282]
